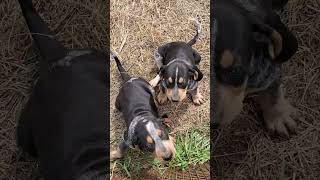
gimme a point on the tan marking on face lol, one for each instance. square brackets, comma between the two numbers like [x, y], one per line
[169, 148]
[169, 93]
[182, 93]
[226, 59]
[181, 80]
[229, 102]
[158, 132]
[149, 139]
[170, 80]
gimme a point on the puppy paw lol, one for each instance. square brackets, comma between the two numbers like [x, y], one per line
[162, 98]
[116, 154]
[281, 124]
[198, 99]
[155, 81]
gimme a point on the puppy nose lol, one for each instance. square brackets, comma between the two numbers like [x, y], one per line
[167, 157]
[175, 100]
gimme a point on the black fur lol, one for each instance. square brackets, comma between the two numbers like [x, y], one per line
[136, 98]
[64, 122]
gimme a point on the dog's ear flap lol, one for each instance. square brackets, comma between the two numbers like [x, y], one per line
[196, 56]
[159, 55]
[197, 74]
[162, 70]
[275, 47]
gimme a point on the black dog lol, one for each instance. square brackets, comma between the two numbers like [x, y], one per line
[145, 129]
[251, 45]
[178, 71]
[64, 123]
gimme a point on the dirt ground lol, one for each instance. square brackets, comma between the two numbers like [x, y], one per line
[138, 28]
[77, 25]
[245, 150]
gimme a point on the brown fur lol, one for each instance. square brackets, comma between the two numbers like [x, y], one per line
[276, 112]
[229, 102]
[226, 59]
[169, 144]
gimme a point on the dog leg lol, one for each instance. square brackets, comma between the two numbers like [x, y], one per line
[119, 152]
[276, 111]
[197, 97]
[155, 81]
[229, 102]
[162, 97]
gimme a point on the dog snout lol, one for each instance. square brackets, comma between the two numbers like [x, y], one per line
[175, 97]
[167, 157]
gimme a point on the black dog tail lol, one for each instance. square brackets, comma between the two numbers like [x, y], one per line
[124, 74]
[198, 32]
[50, 49]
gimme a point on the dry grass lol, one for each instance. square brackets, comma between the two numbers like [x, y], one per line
[77, 24]
[138, 28]
[245, 150]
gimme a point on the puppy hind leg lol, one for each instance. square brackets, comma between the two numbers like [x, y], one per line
[276, 111]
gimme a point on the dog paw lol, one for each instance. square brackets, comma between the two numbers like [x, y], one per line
[114, 155]
[198, 99]
[281, 124]
[162, 98]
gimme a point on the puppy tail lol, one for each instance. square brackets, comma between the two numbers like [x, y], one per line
[50, 49]
[198, 32]
[124, 74]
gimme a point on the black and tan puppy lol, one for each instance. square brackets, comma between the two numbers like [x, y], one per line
[251, 45]
[145, 128]
[64, 123]
[178, 73]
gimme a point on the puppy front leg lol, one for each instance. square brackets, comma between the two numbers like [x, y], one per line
[119, 152]
[162, 97]
[229, 102]
[196, 96]
[155, 81]
[276, 111]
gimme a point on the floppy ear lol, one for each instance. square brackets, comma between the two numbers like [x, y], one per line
[197, 74]
[162, 70]
[196, 56]
[275, 47]
[159, 55]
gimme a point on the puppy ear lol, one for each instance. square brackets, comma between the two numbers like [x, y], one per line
[196, 56]
[160, 54]
[162, 71]
[275, 47]
[197, 74]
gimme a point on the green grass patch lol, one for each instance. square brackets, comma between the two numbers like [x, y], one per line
[192, 148]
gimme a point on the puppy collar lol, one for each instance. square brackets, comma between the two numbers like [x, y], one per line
[131, 130]
[179, 60]
[68, 59]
